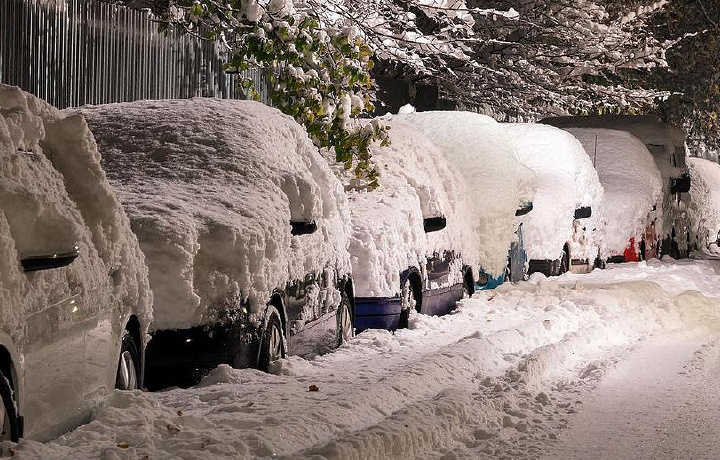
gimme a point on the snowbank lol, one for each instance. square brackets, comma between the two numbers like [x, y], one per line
[631, 181]
[416, 182]
[704, 209]
[499, 378]
[481, 150]
[566, 181]
[211, 187]
[53, 196]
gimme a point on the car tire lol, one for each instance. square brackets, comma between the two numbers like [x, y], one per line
[272, 345]
[468, 286]
[345, 323]
[11, 426]
[128, 369]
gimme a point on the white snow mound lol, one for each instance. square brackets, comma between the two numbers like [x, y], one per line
[211, 187]
[631, 181]
[416, 182]
[481, 150]
[53, 196]
[704, 206]
[566, 181]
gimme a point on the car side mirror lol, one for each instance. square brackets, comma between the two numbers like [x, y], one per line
[583, 213]
[49, 261]
[302, 227]
[523, 209]
[433, 224]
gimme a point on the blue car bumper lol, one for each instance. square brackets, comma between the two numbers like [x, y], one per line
[377, 313]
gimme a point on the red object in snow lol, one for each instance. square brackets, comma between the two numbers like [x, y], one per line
[630, 254]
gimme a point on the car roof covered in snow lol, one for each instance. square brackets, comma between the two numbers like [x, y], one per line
[211, 187]
[481, 149]
[53, 196]
[566, 180]
[416, 182]
[669, 139]
[631, 180]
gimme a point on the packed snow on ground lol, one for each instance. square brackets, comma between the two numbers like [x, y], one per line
[567, 180]
[502, 377]
[54, 196]
[416, 183]
[704, 206]
[483, 153]
[211, 187]
[631, 181]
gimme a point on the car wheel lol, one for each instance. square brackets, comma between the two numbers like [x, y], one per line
[128, 369]
[468, 288]
[272, 346]
[10, 419]
[345, 327]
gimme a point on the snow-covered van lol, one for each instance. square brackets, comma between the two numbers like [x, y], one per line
[704, 207]
[412, 243]
[564, 230]
[633, 192]
[74, 290]
[666, 143]
[501, 187]
[243, 226]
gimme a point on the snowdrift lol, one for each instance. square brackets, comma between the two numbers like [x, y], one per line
[416, 182]
[481, 150]
[566, 181]
[211, 187]
[631, 181]
[54, 195]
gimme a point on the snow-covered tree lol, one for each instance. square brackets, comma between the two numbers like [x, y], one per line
[319, 72]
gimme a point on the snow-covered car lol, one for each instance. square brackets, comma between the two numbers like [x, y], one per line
[412, 244]
[564, 230]
[500, 186]
[74, 290]
[704, 206]
[666, 143]
[243, 226]
[633, 192]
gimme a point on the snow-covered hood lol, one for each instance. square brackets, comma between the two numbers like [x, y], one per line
[211, 187]
[704, 206]
[480, 148]
[416, 182]
[631, 180]
[566, 181]
[53, 196]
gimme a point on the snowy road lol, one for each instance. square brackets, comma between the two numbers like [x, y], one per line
[619, 363]
[659, 403]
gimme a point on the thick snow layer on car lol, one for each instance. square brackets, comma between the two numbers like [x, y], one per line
[480, 148]
[566, 181]
[211, 187]
[631, 181]
[416, 182]
[704, 206]
[500, 378]
[53, 196]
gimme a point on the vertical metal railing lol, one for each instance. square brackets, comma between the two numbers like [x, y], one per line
[77, 52]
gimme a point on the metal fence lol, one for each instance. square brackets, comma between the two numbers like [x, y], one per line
[76, 52]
